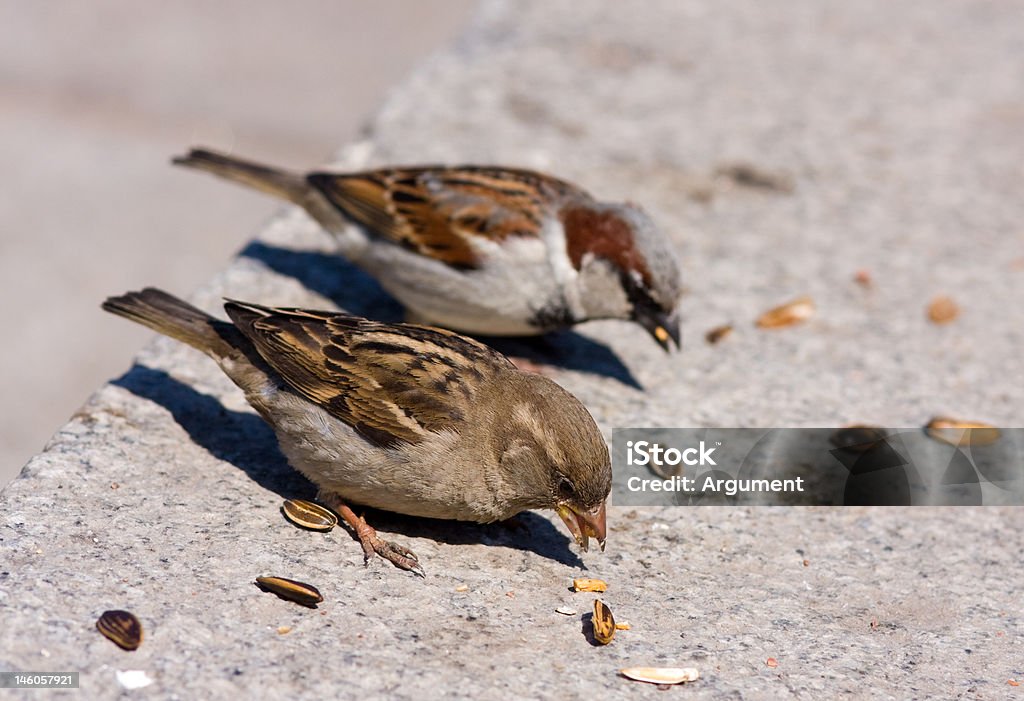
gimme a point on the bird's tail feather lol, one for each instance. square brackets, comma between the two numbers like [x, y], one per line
[280, 183]
[173, 317]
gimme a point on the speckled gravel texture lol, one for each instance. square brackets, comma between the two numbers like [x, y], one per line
[784, 147]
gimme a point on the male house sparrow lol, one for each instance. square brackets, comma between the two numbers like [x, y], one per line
[485, 250]
[403, 418]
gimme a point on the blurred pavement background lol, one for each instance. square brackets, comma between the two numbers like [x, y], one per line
[94, 100]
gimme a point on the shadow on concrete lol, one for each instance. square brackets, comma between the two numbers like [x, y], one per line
[587, 629]
[248, 443]
[358, 293]
[237, 437]
[332, 276]
[568, 350]
[526, 531]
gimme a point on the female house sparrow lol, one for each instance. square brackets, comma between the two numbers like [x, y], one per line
[403, 418]
[485, 250]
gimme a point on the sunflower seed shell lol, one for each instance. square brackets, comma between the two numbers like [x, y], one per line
[291, 590]
[795, 312]
[122, 628]
[307, 514]
[718, 333]
[942, 310]
[604, 623]
[661, 675]
[956, 432]
[858, 438]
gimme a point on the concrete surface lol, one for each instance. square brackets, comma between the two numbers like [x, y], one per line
[884, 138]
[94, 100]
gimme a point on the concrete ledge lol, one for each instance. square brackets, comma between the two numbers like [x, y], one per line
[883, 137]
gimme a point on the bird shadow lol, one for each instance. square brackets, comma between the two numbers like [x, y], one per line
[358, 293]
[237, 437]
[332, 276]
[526, 531]
[567, 350]
[248, 443]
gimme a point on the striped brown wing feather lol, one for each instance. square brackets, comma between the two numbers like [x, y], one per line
[439, 212]
[392, 383]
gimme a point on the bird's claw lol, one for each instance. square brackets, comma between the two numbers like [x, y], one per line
[399, 555]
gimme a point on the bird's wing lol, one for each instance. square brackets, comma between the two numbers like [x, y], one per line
[445, 212]
[393, 383]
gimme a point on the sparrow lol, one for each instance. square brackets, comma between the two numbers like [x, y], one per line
[399, 417]
[485, 249]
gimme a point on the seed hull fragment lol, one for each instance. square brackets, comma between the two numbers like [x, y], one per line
[121, 627]
[291, 590]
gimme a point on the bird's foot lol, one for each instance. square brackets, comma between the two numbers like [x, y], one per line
[398, 555]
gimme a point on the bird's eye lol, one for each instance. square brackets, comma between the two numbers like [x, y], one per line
[565, 489]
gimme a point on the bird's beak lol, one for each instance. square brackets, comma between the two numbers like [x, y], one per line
[663, 327]
[584, 524]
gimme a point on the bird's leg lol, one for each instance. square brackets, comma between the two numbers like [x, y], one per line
[372, 544]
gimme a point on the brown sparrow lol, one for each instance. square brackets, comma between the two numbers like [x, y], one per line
[485, 250]
[404, 418]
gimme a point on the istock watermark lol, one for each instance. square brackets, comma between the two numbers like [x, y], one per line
[816, 466]
[647, 453]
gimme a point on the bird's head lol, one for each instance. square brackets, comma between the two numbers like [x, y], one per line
[628, 268]
[554, 453]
